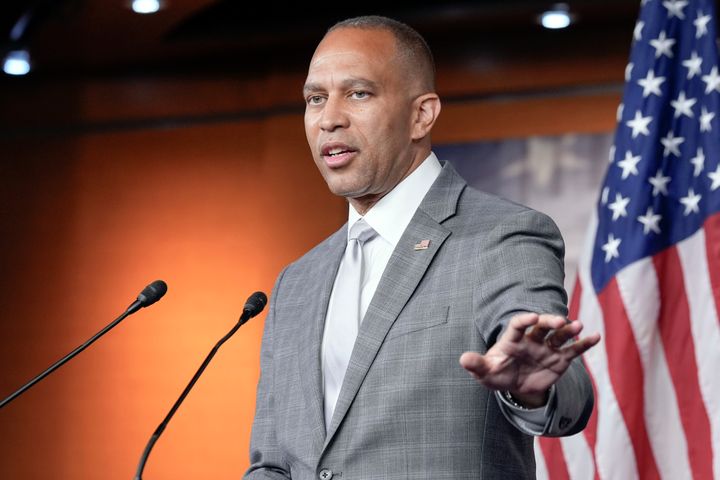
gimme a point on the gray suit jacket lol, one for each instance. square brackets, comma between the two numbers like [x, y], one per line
[407, 410]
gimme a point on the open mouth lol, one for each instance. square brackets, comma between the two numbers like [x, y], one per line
[334, 152]
[337, 155]
[335, 149]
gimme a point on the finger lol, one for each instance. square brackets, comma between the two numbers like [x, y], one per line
[558, 338]
[475, 363]
[545, 325]
[518, 326]
[552, 322]
[583, 345]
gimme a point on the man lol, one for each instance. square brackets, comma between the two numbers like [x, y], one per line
[367, 385]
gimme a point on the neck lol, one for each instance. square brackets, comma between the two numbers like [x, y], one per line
[364, 203]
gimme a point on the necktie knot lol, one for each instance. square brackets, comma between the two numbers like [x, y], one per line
[361, 232]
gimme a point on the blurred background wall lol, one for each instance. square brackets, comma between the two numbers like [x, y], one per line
[172, 147]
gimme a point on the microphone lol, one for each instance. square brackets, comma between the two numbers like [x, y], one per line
[150, 294]
[253, 306]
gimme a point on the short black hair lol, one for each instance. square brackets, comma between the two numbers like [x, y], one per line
[410, 43]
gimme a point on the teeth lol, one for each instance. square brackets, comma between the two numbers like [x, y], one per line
[335, 151]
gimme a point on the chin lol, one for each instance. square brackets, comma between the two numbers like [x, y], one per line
[338, 185]
[341, 192]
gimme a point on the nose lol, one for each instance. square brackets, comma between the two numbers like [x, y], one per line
[333, 115]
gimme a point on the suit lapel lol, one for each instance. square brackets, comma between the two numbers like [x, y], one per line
[310, 332]
[404, 271]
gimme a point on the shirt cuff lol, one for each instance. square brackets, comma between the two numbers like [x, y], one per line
[533, 421]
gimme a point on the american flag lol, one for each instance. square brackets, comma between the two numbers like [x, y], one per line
[650, 278]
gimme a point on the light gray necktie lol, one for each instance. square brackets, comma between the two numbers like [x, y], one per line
[343, 320]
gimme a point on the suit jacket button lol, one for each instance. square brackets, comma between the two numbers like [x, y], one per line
[564, 422]
[325, 474]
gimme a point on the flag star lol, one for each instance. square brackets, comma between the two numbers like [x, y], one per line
[663, 45]
[619, 113]
[683, 105]
[671, 144]
[639, 124]
[659, 183]
[637, 32]
[628, 71]
[691, 202]
[693, 65]
[715, 177]
[619, 206]
[701, 24]
[611, 156]
[699, 162]
[712, 81]
[650, 221]
[651, 84]
[705, 119]
[629, 164]
[674, 8]
[606, 192]
[611, 248]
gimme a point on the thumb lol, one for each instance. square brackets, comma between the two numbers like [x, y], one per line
[475, 363]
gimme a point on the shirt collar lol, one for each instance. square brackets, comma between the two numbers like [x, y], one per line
[390, 216]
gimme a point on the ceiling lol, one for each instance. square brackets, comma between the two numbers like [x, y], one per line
[104, 37]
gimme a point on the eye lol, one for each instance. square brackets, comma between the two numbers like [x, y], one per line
[360, 95]
[315, 100]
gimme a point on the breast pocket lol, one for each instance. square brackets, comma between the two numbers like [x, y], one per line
[419, 319]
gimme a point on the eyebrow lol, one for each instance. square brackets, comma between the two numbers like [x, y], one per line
[352, 82]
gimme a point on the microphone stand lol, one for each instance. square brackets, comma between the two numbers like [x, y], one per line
[148, 296]
[246, 315]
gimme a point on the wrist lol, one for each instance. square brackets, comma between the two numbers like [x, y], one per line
[527, 401]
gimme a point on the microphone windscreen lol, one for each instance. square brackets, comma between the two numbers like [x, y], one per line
[255, 303]
[152, 293]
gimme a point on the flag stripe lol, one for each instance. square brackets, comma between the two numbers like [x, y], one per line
[573, 456]
[705, 330]
[614, 457]
[578, 457]
[674, 324]
[591, 429]
[590, 432]
[626, 375]
[541, 472]
[639, 289]
[574, 308]
[712, 247]
[554, 459]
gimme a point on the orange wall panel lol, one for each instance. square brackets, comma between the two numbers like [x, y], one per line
[216, 212]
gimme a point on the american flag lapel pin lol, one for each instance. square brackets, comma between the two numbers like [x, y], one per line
[422, 245]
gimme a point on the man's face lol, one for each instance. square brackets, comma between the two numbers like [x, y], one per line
[358, 114]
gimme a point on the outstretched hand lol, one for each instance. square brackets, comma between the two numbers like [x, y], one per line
[529, 356]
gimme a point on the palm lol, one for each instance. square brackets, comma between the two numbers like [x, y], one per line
[527, 361]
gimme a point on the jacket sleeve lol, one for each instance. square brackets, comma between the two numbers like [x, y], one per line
[266, 458]
[529, 250]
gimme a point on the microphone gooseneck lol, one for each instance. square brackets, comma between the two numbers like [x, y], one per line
[253, 306]
[150, 294]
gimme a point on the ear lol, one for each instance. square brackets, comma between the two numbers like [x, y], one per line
[427, 109]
